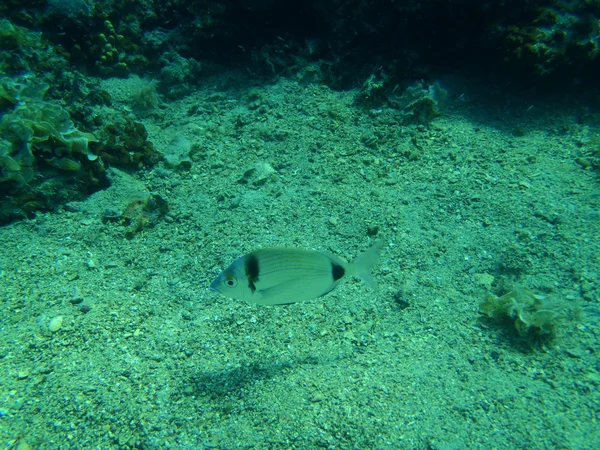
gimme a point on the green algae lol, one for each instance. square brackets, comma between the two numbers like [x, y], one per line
[529, 312]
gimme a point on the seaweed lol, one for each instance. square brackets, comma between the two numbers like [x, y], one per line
[37, 130]
[144, 97]
[530, 313]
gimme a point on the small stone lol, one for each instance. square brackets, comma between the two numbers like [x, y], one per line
[333, 221]
[23, 445]
[483, 279]
[76, 298]
[258, 174]
[583, 162]
[318, 397]
[72, 276]
[55, 324]
[372, 230]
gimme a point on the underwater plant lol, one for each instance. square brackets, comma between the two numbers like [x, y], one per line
[144, 97]
[528, 312]
[46, 160]
[37, 129]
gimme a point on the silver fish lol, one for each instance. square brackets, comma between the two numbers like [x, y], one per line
[278, 276]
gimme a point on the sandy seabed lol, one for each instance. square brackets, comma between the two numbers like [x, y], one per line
[114, 341]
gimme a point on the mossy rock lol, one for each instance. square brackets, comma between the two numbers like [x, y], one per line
[46, 161]
[39, 131]
[528, 312]
[126, 146]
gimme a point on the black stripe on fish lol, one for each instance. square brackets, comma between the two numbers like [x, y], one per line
[252, 270]
[337, 271]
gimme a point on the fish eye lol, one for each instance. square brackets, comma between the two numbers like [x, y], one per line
[231, 281]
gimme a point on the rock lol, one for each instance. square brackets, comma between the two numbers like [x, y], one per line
[258, 174]
[112, 204]
[317, 398]
[55, 324]
[177, 154]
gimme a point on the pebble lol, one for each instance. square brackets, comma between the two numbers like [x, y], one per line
[76, 298]
[483, 279]
[317, 398]
[55, 324]
[23, 445]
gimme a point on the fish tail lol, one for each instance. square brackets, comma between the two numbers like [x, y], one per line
[363, 265]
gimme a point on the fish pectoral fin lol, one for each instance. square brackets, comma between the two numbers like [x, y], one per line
[293, 291]
[280, 294]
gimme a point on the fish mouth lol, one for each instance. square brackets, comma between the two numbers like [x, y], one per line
[215, 283]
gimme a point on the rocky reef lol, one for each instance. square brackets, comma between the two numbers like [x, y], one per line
[344, 41]
[53, 52]
[51, 150]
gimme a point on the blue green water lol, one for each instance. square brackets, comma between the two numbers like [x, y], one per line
[111, 337]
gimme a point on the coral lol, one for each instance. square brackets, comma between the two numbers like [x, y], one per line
[12, 89]
[178, 75]
[12, 37]
[44, 158]
[106, 46]
[125, 145]
[418, 103]
[528, 312]
[19, 48]
[46, 161]
[374, 91]
[69, 9]
[35, 129]
[550, 40]
[143, 215]
[105, 52]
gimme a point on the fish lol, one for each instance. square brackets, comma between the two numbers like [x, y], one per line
[280, 276]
